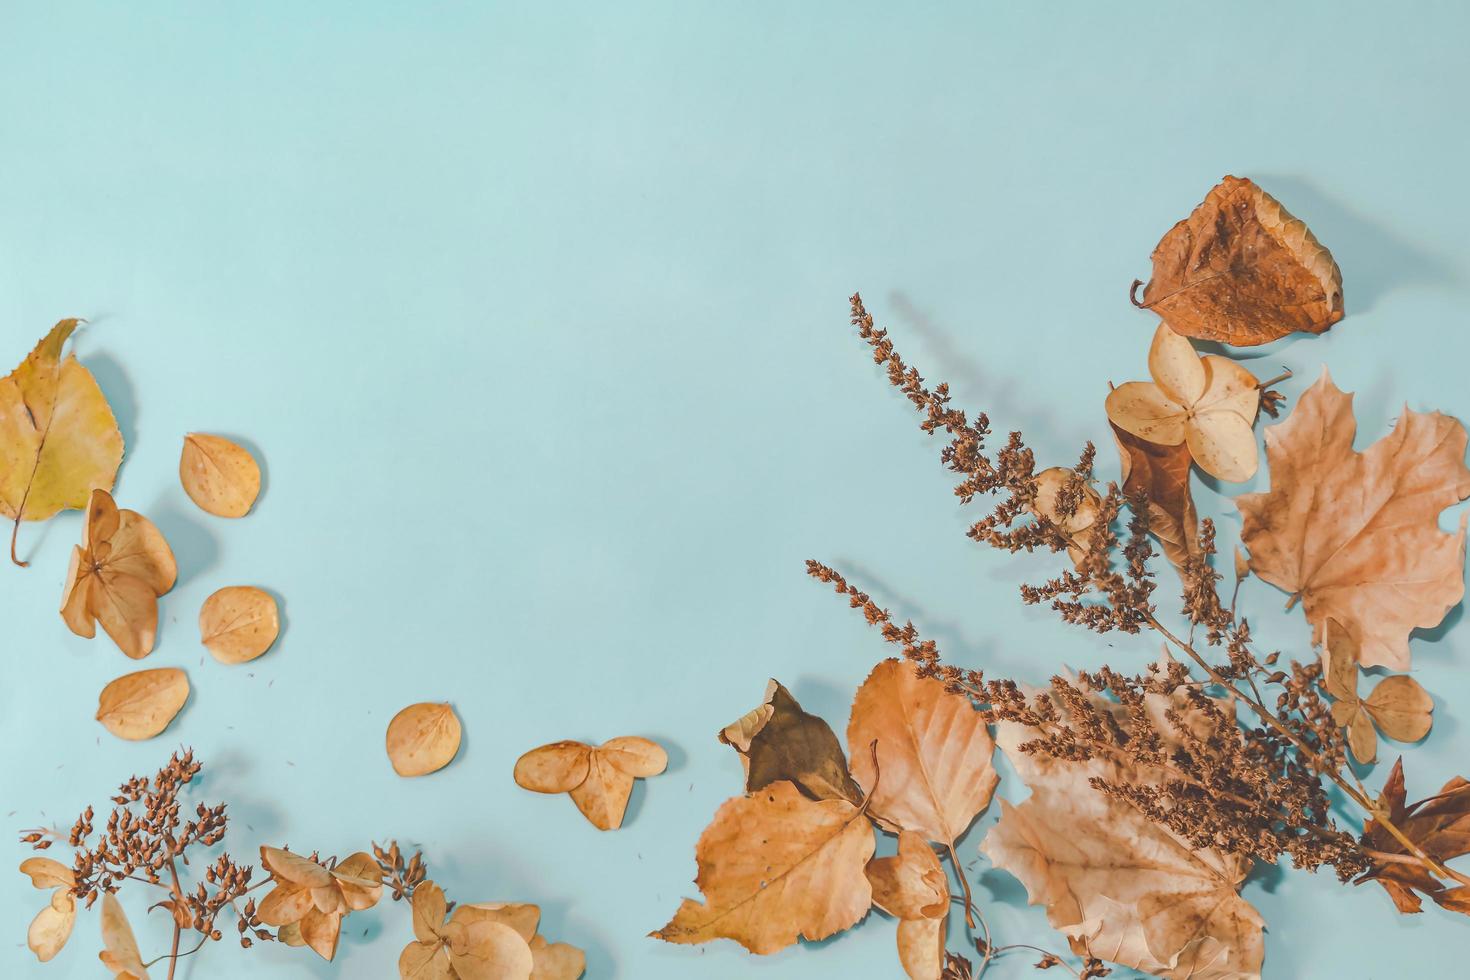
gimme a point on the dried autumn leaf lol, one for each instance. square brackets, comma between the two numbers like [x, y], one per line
[1207, 403]
[1354, 535]
[218, 475]
[1050, 485]
[776, 866]
[1241, 270]
[921, 947]
[472, 943]
[1114, 881]
[933, 772]
[912, 886]
[600, 779]
[311, 899]
[51, 927]
[121, 954]
[58, 438]
[556, 961]
[1161, 475]
[141, 704]
[117, 574]
[1398, 706]
[1439, 825]
[778, 740]
[423, 738]
[239, 623]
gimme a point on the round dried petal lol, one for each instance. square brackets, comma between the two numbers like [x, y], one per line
[47, 873]
[482, 949]
[218, 475]
[555, 768]
[140, 705]
[1229, 387]
[121, 955]
[1223, 444]
[556, 961]
[239, 623]
[1145, 411]
[1175, 367]
[638, 757]
[1401, 708]
[51, 927]
[423, 738]
[523, 917]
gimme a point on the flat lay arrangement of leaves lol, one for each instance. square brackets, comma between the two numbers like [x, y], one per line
[1152, 795]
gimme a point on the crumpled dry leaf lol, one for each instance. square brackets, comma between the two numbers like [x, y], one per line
[218, 475]
[121, 955]
[1161, 474]
[933, 770]
[1354, 535]
[58, 438]
[472, 943]
[1049, 484]
[239, 623]
[140, 705]
[913, 887]
[423, 738]
[1439, 825]
[1207, 403]
[1116, 883]
[776, 866]
[778, 740]
[52, 925]
[1399, 706]
[600, 779]
[310, 900]
[117, 574]
[1241, 270]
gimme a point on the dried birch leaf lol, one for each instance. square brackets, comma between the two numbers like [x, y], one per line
[51, 927]
[117, 574]
[1161, 474]
[139, 705]
[776, 866]
[1049, 485]
[934, 772]
[121, 955]
[1116, 883]
[1354, 535]
[1206, 403]
[556, 961]
[218, 475]
[1439, 825]
[58, 438]
[778, 740]
[1241, 270]
[239, 623]
[600, 779]
[423, 738]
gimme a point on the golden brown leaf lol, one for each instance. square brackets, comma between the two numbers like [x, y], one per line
[1355, 535]
[121, 953]
[1439, 825]
[778, 740]
[1398, 706]
[933, 773]
[776, 866]
[1161, 474]
[218, 475]
[600, 779]
[239, 623]
[1206, 403]
[141, 704]
[1128, 888]
[117, 574]
[423, 738]
[1241, 270]
[51, 927]
[58, 438]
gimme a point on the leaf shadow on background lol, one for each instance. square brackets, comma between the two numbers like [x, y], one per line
[194, 545]
[1375, 260]
[954, 644]
[118, 389]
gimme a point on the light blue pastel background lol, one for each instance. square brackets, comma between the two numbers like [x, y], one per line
[536, 315]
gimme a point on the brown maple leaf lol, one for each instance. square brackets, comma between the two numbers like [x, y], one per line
[1439, 825]
[1355, 536]
[1241, 270]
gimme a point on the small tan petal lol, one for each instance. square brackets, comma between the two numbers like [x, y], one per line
[47, 873]
[1145, 411]
[556, 961]
[140, 550]
[1175, 366]
[239, 623]
[1242, 565]
[121, 954]
[298, 870]
[425, 961]
[360, 881]
[423, 738]
[1223, 444]
[1229, 388]
[284, 905]
[127, 607]
[921, 947]
[1401, 708]
[1362, 739]
[603, 795]
[428, 912]
[556, 768]
[51, 927]
[320, 931]
[218, 475]
[482, 949]
[76, 600]
[638, 757]
[523, 917]
[290, 934]
[140, 705]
